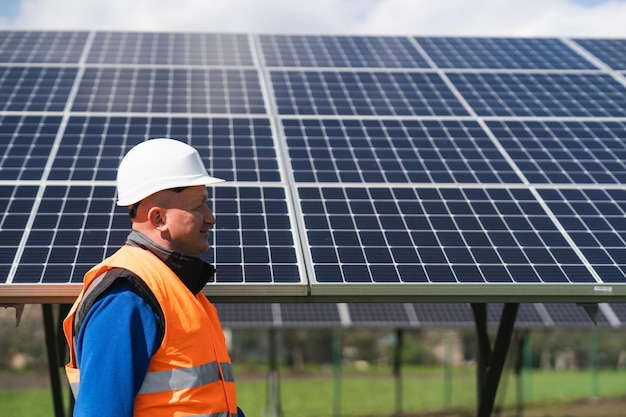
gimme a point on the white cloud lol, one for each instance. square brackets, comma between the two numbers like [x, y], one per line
[380, 17]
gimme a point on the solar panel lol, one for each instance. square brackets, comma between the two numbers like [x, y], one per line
[310, 315]
[394, 151]
[382, 315]
[235, 149]
[408, 316]
[360, 93]
[359, 168]
[512, 94]
[565, 152]
[26, 143]
[340, 51]
[253, 315]
[390, 236]
[39, 47]
[169, 90]
[181, 49]
[612, 52]
[502, 53]
[35, 88]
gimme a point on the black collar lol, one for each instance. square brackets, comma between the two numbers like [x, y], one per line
[191, 270]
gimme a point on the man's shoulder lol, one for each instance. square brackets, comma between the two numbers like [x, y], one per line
[117, 284]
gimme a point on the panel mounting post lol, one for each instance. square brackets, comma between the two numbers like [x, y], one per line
[491, 361]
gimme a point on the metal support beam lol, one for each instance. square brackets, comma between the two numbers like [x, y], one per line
[54, 360]
[273, 383]
[521, 338]
[397, 370]
[491, 361]
[337, 358]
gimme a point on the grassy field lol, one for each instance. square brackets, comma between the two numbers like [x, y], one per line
[372, 393]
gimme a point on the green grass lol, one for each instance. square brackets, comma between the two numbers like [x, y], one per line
[422, 391]
[315, 394]
[26, 403]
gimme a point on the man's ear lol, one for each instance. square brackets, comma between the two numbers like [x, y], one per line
[156, 217]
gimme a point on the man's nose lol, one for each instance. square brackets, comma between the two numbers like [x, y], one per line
[209, 218]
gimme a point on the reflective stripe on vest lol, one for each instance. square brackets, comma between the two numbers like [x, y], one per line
[224, 414]
[185, 378]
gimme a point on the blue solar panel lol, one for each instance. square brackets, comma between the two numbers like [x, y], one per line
[74, 226]
[15, 208]
[254, 240]
[246, 315]
[41, 47]
[394, 151]
[565, 152]
[144, 48]
[340, 51]
[77, 226]
[169, 90]
[430, 235]
[611, 52]
[502, 53]
[359, 167]
[25, 145]
[406, 316]
[322, 315]
[35, 88]
[376, 314]
[510, 94]
[357, 93]
[571, 315]
[595, 219]
[234, 149]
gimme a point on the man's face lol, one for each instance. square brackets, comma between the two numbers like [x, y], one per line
[188, 219]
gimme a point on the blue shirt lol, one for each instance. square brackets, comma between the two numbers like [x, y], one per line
[113, 350]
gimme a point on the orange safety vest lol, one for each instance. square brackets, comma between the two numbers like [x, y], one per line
[190, 374]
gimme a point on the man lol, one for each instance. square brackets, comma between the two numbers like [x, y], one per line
[144, 340]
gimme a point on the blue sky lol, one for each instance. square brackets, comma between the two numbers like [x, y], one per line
[9, 8]
[574, 18]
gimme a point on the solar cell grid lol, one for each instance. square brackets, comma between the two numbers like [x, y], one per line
[595, 219]
[571, 315]
[502, 53]
[340, 51]
[394, 151]
[49, 47]
[362, 314]
[448, 314]
[253, 236]
[364, 94]
[374, 162]
[169, 90]
[565, 152]
[92, 147]
[610, 51]
[25, 145]
[541, 95]
[73, 229]
[430, 235]
[35, 88]
[245, 314]
[144, 48]
[527, 315]
[15, 207]
[322, 314]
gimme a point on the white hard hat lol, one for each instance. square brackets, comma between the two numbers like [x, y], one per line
[159, 164]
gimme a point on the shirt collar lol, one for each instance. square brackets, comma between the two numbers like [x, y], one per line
[191, 270]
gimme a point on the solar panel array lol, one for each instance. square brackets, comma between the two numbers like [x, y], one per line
[398, 168]
[409, 315]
